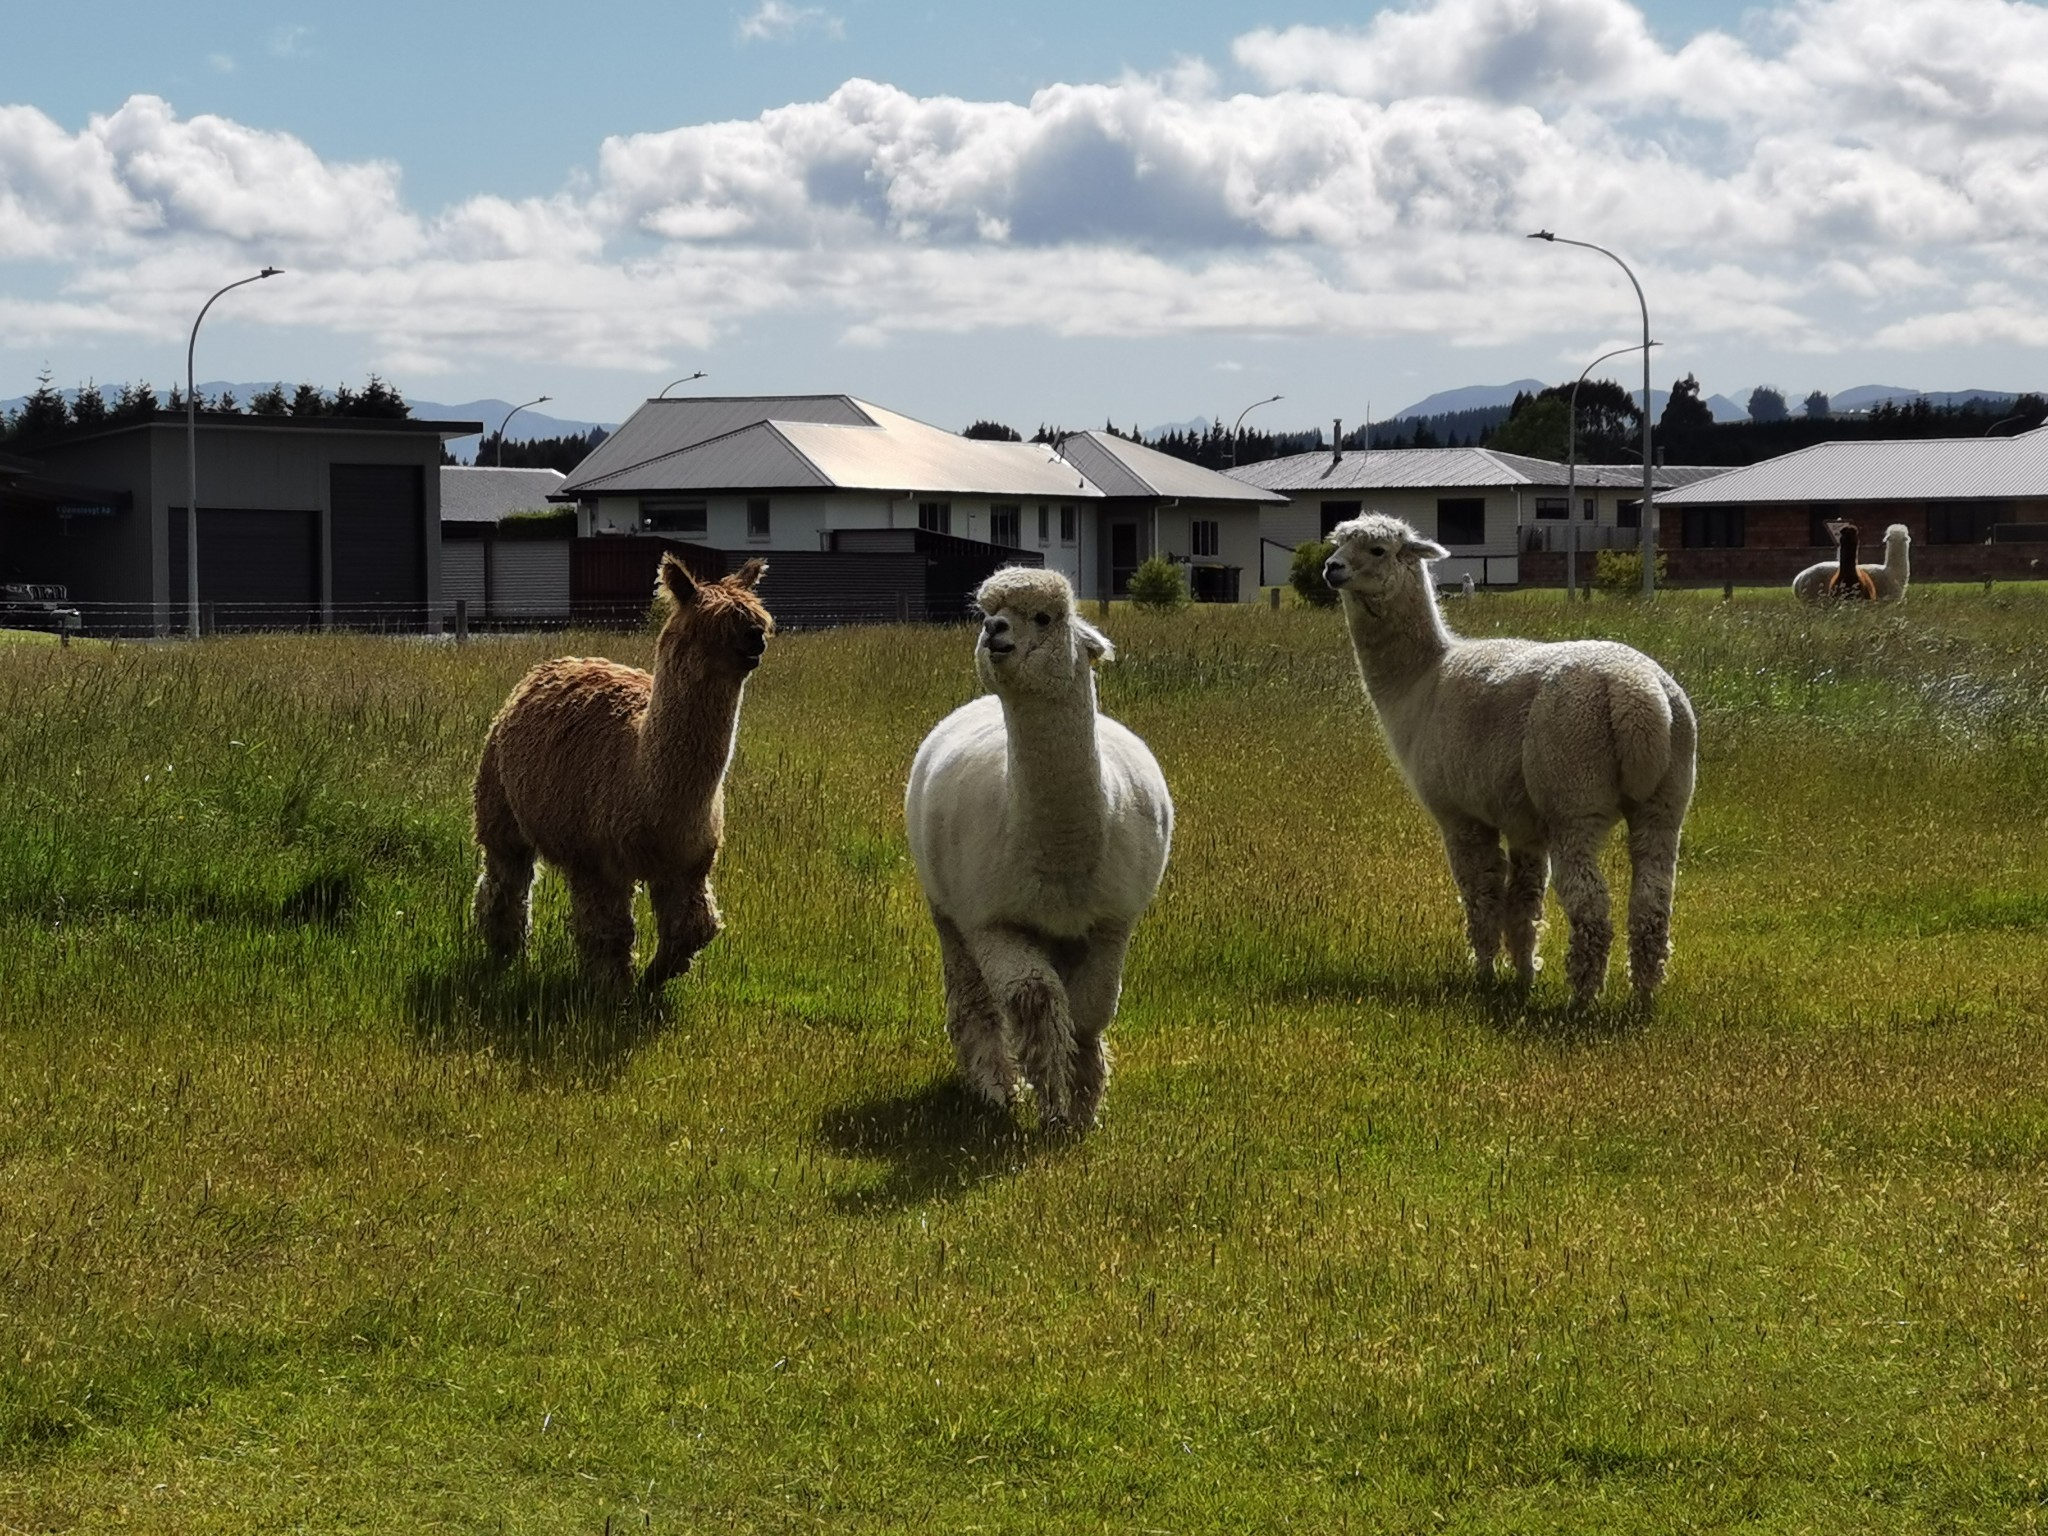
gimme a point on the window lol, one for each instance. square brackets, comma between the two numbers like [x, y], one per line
[1335, 512]
[1003, 519]
[1965, 522]
[935, 516]
[1592, 509]
[757, 517]
[1204, 534]
[1460, 520]
[1554, 506]
[1070, 521]
[671, 514]
[1044, 523]
[1713, 527]
[1628, 514]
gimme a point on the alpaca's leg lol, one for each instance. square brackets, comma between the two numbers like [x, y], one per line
[685, 920]
[1653, 860]
[974, 1023]
[1582, 889]
[1092, 992]
[502, 904]
[1025, 985]
[1481, 872]
[1528, 878]
[601, 917]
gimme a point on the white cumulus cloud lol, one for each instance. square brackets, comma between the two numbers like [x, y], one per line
[1841, 170]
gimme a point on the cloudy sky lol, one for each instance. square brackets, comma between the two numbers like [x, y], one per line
[1053, 212]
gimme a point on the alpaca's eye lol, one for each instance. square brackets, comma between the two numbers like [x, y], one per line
[1378, 553]
[1041, 619]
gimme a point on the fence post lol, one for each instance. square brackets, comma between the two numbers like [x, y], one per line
[462, 621]
[1276, 599]
[902, 607]
[206, 618]
[1727, 591]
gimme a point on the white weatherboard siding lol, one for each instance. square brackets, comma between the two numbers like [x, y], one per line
[462, 575]
[1493, 562]
[530, 578]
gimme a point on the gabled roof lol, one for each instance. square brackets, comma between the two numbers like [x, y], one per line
[1392, 469]
[1120, 467]
[809, 442]
[1925, 469]
[485, 494]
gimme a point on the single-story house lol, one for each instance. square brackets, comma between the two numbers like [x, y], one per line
[1154, 503]
[1976, 507]
[1503, 516]
[816, 476]
[515, 572]
[302, 520]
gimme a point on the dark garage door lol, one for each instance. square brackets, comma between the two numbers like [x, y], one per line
[380, 546]
[257, 569]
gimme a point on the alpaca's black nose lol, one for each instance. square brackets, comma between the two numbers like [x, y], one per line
[1333, 573]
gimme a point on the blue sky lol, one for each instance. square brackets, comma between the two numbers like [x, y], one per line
[1056, 212]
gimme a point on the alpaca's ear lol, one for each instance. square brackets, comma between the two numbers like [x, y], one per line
[1093, 640]
[675, 579]
[1423, 549]
[749, 573]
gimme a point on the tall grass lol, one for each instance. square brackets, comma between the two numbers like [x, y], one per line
[308, 1220]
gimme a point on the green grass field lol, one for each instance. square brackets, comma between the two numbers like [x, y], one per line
[309, 1222]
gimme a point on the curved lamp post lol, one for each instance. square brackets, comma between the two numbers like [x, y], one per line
[543, 400]
[192, 460]
[1571, 465]
[1240, 422]
[1649, 541]
[699, 374]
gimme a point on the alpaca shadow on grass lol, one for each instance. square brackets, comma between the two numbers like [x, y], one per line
[549, 1021]
[1542, 1012]
[937, 1141]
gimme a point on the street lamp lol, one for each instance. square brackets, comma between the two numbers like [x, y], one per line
[1649, 531]
[1571, 465]
[192, 460]
[699, 374]
[543, 400]
[1240, 422]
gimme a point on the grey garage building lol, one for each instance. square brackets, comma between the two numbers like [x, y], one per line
[303, 521]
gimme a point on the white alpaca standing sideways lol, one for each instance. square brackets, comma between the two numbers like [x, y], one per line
[1892, 578]
[1040, 829]
[1543, 745]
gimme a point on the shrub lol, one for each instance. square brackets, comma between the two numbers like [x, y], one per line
[1620, 571]
[1305, 575]
[1157, 584]
[553, 523]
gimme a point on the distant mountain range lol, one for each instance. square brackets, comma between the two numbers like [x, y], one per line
[1863, 397]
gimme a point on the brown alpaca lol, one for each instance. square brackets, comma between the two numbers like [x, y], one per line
[1850, 579]
[615, 776]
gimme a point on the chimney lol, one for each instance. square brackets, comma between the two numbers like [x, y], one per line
[1336, 439]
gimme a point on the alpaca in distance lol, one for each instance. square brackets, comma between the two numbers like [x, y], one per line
[1543, 745]
[615, 776]
[1040, 830]
[1881, 583]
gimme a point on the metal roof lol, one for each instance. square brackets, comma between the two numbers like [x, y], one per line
[484, 494]
[810, 442]
[1927, 469]
[1402, 469]
[1121, 467]
[662, 427]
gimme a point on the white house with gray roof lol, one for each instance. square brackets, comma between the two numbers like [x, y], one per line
[820, 472]
[1488, 508]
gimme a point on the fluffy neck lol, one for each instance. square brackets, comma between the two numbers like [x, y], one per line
[686, 736]
[1057, 808]
[1397, 640]
[1847, 564]
[1895, 557]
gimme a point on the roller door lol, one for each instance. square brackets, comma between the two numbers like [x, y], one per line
[379, 545]
[462, 574]
[530, 579]
[257, 569]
